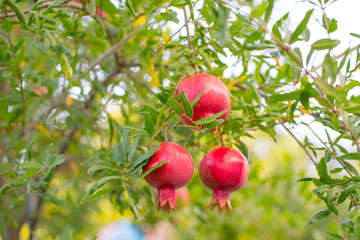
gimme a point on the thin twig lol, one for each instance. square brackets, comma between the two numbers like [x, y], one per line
[188, 138]
[140, 82]
[333, 151]
[339, 219]
[70, 4]
[165, 43]
[301, 145]
[18, 72]
[188, 36]
[220, 136]
[121, 43]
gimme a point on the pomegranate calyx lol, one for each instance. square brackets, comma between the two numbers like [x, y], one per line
[166, 199]
[220, 199]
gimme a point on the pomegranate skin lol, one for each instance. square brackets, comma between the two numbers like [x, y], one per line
[174, 174]
[224, 171]
[215, 98]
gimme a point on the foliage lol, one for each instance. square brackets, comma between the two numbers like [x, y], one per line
[87, 94]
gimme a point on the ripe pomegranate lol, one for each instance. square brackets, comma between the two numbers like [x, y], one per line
[224, 171]
[174, 174]
[215, 98]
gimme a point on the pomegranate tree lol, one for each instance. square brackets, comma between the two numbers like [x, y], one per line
[174, 174]
[215, 97]
[224, 171]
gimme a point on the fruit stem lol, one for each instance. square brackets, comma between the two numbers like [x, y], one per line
[220, 135]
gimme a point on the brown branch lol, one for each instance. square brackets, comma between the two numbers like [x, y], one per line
[63, 148]
[188, 36]
[301, 145]
[165, 43]
[189, 137]
[70, 4]
[22, 96]
[139, 81]
[220, 136]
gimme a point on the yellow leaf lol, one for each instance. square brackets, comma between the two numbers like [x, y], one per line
[56, 134]
[42, 129]
[24, 232]
[74, 168]
[231, 85]
[150, 69]
[140, 20]
[69, 101]
[78, 134]
[304, 110]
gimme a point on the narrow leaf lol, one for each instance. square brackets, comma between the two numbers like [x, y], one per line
[142, 160]
[17, 11]
[346, 193]
[175, 105]
[152, 169]
[187, 105]
[318, 216]
[301, 27]
[325, 44]
[92, 8]
[350, 156]
[194, 102]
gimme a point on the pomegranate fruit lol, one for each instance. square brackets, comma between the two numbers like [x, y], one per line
[215, 98]
[174, 174]
[224, 171]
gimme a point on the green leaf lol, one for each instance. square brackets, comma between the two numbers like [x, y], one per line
[30, 172]
[175, 105]
[195, 101]
[346, 193]
[325, 44]
[268, 10]
[335, 122]
[100, 192]
[322, 170]
[51, 198]
[141, 161]
[92, 8]
[214, 124]
[210, 119]
[31, 164]
[301, 27]
[66, 67]
[17, 11]
[98, 185]
[350, 156]
[305, 179]
[333, 236]
[219, 114]
[130, 7]
[187, 105]
[318, 216]
[56, 161]
[151, 169]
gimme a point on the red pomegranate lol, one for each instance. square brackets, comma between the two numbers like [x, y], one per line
[215, 98]
[174, 174]
[224, 171]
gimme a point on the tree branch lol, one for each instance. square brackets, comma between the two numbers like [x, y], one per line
[301, 145]
[70, 4]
